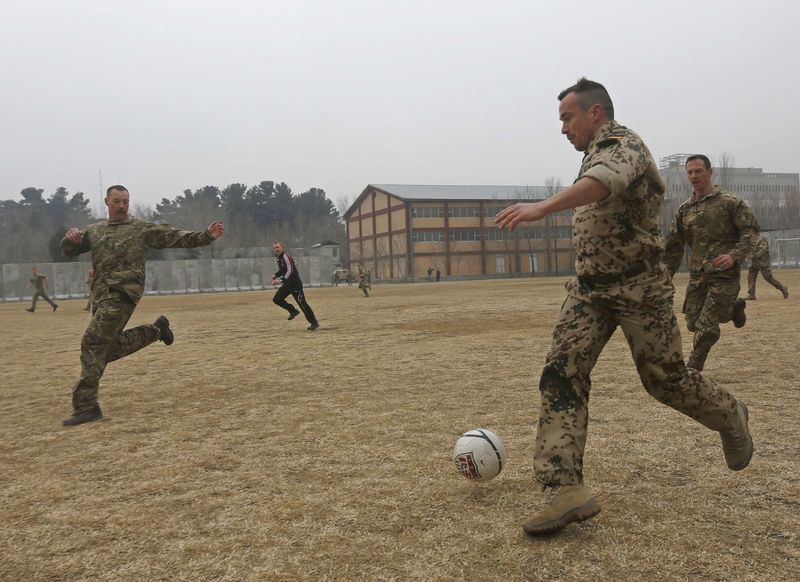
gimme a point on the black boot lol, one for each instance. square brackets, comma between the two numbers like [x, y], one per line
[739, 318]
[162, 323]
[80, 418]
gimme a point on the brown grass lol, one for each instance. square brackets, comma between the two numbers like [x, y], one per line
[253, 449]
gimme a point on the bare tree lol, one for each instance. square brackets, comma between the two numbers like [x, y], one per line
[725, 167]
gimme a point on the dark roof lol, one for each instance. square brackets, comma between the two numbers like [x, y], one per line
[464, 192]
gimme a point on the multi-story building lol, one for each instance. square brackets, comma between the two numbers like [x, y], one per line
[400, 231]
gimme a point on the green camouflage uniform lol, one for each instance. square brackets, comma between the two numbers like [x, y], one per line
[717, 224]
[760, 263]
[38, 291]
[119, 251]
[363, 282]
[621, 282]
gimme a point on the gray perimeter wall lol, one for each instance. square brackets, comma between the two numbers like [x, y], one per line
[68, 280]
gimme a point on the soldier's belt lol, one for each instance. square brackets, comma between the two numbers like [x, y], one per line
[638, 268]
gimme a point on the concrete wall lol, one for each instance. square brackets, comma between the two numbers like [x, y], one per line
[68, 280]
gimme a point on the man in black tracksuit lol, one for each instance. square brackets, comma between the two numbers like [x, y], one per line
[290, 283]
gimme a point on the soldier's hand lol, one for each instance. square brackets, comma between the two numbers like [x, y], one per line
[723, 262]
[521, 211]
[216, 230]
[74, 235]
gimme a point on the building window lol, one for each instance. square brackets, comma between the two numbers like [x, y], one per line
[462, 235]
[493, 210]
[499, 234]
[464, 211]
[427, 236]
[427, 212]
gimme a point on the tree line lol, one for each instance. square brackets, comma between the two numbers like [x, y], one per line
[31, 228]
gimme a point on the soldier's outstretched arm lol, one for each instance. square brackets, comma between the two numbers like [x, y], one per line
[162, 236]
[584, 191]
[74, 243]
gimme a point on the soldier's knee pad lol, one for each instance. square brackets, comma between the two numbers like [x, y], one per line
[556, 388]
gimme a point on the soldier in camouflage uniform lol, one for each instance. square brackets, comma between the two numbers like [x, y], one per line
[621, 282]
[364, 282]
[39, 284]
[720, 230]
[119, 249]
[760, 263]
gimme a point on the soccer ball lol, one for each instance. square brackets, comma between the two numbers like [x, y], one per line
[479, 454]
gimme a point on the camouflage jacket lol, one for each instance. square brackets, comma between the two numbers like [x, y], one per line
[760, 257]
[717, 224]
[623, 228]
[119, 252]
[38, 282]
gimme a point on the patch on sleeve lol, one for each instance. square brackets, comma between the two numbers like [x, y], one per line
[613, 138]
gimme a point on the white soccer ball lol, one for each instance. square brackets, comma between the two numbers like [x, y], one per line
[479, 454]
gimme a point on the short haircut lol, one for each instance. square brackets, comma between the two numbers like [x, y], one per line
[115, 187]
[693, 157]
[590, 93]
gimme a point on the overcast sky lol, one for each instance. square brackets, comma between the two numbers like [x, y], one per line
[167, 95]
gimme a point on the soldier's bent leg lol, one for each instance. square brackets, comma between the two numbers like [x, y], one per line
[766, 272]
[752, 276]
[655, 343]
[716, 309]
[132, 340]
[36, 295]
[580, 334]
[109, 319]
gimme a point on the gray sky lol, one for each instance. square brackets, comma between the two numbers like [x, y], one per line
[167, 95]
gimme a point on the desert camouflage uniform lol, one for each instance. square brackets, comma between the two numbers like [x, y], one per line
[621, 282]
[38, 291]
[760, 263]
[119, 250]
[717, 224]
[364, 281]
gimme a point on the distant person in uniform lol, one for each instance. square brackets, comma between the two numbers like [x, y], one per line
[760, 263]
[119, 249]
[430, 273]
[720, 230]
[290, 284]
[363, 281]
[39, 284]
[89, 281]
[621, 282]
[438, 274]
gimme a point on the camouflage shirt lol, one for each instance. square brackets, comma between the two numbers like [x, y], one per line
[38, 282]
[623, 228]
[717, 224]
[760, 256]
[119, 252]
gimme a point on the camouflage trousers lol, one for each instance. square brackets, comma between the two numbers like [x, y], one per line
[41, 293]
[643, 310]
[105, 341]
[709, 303]
[766, 272]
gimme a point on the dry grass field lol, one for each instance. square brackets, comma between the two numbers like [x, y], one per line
[253, 449]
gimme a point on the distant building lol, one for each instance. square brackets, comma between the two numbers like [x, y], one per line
[327, 248]
[399, 231]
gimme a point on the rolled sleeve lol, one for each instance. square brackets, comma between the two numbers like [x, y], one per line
[617, 167]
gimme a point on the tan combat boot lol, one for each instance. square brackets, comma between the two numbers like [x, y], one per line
[568, 504]
[737, 444]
